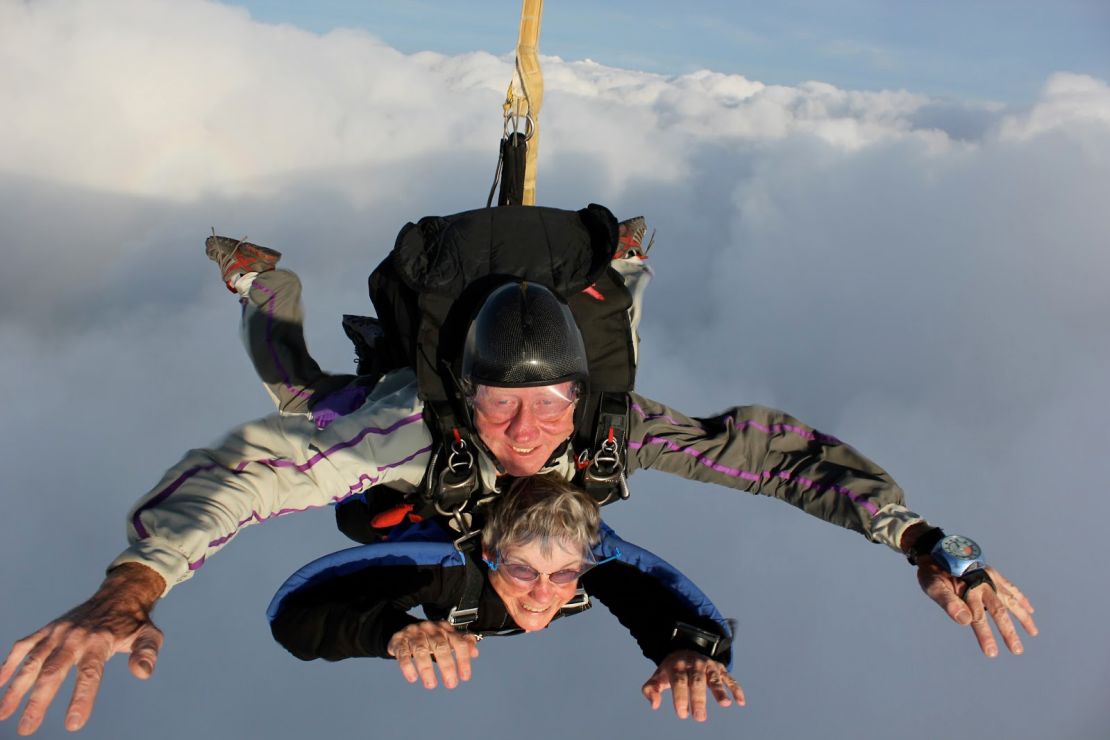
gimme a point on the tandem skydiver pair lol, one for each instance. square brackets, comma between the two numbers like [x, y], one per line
[386, 429]
[525, 364]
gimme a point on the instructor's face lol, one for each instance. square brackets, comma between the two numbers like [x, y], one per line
[523, 426]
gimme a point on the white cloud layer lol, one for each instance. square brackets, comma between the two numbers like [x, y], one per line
[924, 278]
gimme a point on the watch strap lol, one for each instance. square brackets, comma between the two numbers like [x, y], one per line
[975, 578]
[924, 544]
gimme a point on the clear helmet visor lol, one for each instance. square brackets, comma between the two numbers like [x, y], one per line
[545, 402]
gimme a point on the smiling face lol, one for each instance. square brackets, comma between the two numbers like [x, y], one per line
[523, 426]
[533, 605]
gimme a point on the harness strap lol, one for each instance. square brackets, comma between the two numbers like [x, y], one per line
[452, 475]
[465, 613]
[604, 476]
[510, 170]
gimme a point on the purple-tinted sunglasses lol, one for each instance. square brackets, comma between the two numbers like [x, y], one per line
[528, 574]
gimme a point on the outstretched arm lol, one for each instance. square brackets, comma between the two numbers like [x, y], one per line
[364, 613]
[765, 451]
[272, 467]
[768, 452]
[115, 620]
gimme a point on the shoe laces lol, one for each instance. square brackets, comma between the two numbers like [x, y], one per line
[227, 260]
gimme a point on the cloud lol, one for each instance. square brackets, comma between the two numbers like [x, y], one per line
[188, 98]
[1068, 102]
[922, 277]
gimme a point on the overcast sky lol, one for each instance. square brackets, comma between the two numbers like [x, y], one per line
[914, 261]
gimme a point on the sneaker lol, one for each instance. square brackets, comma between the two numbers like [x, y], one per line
[236, 257]
[630, 239]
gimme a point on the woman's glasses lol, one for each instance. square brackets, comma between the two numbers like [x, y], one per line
[528, 574]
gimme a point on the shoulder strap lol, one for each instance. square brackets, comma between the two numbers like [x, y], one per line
[601, 426]
[465, 613]
[603, 473]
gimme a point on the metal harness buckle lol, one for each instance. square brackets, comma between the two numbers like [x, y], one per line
[606, 466]
[462, 617]
[461, 542]
[580, 600]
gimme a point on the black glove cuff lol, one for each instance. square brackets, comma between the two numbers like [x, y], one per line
[688, 637]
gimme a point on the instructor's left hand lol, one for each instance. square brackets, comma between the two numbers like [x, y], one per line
[977, 606]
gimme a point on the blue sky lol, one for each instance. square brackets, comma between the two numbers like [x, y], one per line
[988, 49]
[887, 253]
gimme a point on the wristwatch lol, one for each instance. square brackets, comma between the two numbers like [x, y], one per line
[958, 555]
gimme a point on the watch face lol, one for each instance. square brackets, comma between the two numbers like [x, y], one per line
[960, 547]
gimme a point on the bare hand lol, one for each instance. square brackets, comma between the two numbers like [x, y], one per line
[418, 645]
[973, 607]
[115, 620]
[688, 674]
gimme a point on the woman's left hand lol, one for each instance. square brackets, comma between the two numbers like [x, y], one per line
[690, 676]
[423, 645]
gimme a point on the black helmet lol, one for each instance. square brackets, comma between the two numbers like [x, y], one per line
[523, 335]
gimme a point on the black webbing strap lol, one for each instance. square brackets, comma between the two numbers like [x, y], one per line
[691, 637]
[514, 156]
[465, 613]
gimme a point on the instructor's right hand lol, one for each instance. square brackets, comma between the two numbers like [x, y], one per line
[115, 620]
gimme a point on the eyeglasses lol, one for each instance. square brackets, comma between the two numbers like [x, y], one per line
[528, 574]
[547, 403]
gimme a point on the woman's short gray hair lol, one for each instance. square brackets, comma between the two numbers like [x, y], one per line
[545, 508]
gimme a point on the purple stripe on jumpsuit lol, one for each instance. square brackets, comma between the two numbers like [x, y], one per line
[136, 519]
[364, 480]
[754, 477]
[748, 424]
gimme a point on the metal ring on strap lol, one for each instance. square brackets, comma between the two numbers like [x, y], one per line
[529, 126]
[456, 482]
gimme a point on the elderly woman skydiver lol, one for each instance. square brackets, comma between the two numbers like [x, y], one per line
[543, 549]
